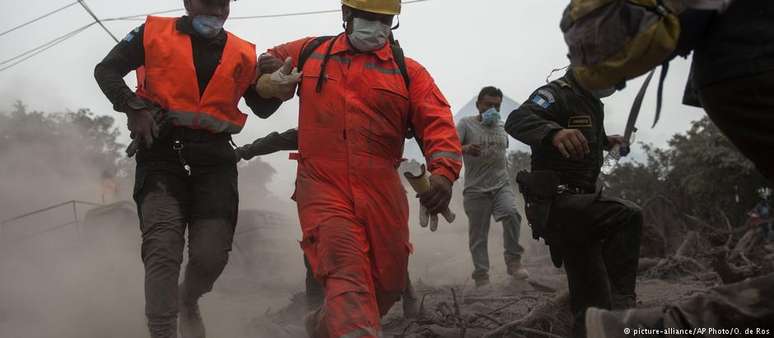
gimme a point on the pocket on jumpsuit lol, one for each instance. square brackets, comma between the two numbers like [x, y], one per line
[392, 105]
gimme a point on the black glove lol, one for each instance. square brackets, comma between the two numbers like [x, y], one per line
[238, 154]
[142, 123]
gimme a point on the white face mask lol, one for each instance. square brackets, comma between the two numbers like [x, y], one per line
[368, 35]
[207, 26]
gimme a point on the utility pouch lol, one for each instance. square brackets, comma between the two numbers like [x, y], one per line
[539, 189]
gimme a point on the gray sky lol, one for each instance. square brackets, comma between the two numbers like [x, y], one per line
[464, 44]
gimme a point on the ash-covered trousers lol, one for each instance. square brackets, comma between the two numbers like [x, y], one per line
[170, 201]
[480, 207]
[745, 305]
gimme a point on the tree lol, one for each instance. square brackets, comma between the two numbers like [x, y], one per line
[700, 177]
[700, 172]
[49, 158]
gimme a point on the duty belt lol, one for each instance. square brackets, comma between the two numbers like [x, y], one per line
[571, 189]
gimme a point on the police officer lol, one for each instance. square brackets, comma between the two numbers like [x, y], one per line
[595, 237]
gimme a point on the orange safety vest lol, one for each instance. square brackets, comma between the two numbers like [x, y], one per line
[169, 79]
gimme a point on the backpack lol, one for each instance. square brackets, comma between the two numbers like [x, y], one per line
[613, 41]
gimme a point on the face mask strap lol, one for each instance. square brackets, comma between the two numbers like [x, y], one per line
[548, 78]
[397, 25]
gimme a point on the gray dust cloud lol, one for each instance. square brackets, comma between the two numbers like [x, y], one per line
[74, 271]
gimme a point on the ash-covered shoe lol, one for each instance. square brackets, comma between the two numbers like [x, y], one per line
[482, 282]
[517, 271]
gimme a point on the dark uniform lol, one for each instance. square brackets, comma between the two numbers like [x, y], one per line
[597, 238]
[734, 72]
[169, 200]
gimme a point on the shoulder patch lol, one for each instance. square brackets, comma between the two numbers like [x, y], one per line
[579, 121]
[543, 98]
[129, 37]
[548, 95]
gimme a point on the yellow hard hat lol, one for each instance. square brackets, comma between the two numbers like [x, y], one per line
[387, 7]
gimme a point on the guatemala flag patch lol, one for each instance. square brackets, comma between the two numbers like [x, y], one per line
[129, 37]
[541, 101]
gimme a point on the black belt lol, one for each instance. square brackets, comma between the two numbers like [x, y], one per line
[573, 189]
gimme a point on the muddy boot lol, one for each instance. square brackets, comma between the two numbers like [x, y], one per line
[410, 303]
[189, 317]
[481, 278]
[482, 282]
[620, 324]
[517, 271]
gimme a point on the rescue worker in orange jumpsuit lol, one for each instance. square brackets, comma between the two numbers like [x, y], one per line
[192, 74]
[356, 109]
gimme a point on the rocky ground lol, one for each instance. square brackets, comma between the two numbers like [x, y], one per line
[93, 287]
[534, 308]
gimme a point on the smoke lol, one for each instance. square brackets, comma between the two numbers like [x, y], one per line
[70, 273]
[86, 279]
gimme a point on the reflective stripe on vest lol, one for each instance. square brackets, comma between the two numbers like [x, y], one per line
[202, 121]
[169, 79]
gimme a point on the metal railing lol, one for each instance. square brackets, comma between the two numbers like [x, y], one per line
[76, 220]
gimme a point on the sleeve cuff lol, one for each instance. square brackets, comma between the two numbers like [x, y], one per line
[445, 172]
[549, 138]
